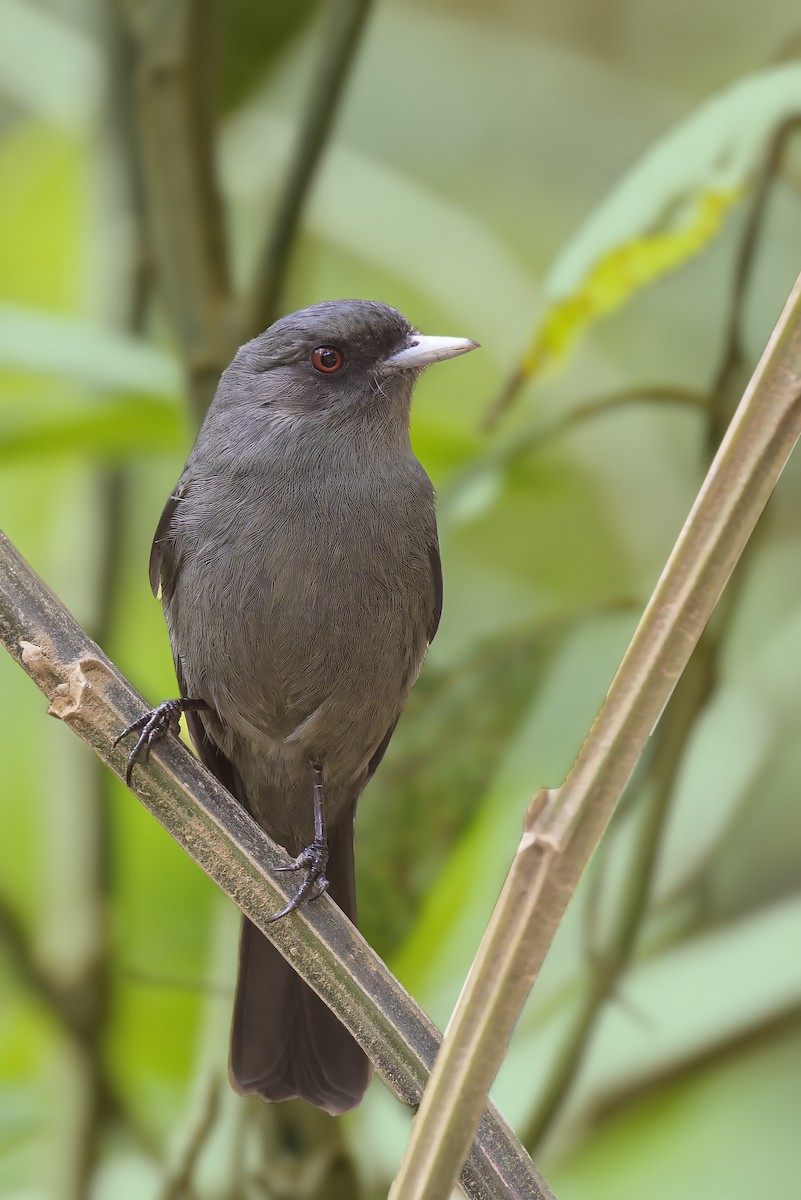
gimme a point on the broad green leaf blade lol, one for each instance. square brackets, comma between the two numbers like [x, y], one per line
[49, 68]
[698, 996]
[45, 343]
[107, 427]
[727, 1130]
[664, 212]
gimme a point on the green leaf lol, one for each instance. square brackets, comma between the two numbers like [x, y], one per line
[48, 67]
[44, 343]
[111, 427]
[728, 1130]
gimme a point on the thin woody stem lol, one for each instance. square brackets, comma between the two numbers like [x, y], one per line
[95, 700]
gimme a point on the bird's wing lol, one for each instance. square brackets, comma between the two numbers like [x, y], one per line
[163, 570]
[162, 563]
[431, 630]
[207, 749]
[436, 581]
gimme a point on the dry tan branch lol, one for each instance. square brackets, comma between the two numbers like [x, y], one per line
[563, 826]
[87, 692]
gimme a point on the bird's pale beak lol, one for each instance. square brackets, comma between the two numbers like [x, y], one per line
[420, 351]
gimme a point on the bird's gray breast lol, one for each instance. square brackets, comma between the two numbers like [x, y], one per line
[302, 603]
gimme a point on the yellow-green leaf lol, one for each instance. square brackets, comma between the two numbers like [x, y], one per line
[623, 272]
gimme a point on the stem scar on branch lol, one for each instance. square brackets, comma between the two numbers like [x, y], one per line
[69, 683]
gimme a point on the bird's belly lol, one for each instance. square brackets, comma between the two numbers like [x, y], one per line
[309, 658]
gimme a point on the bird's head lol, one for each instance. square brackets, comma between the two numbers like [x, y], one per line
[344, 360]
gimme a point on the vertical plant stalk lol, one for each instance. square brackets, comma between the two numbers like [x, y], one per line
[563, 826]
[339, 41]
[174, 103]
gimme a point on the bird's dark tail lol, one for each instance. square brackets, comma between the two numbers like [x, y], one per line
[285, 1042]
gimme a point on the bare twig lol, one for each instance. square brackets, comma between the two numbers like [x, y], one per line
[29, 971]
[731, 359]
[505, 399]
[302, 1153]
[722, 1052]
[564, 826]
[65, 1003]
[339, 42]
[527, 441]
[178, 1187]
[93, 698]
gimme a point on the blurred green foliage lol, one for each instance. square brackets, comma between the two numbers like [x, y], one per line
[486, 160]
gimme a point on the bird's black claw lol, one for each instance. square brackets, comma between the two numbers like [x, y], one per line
[151, 727]
[313, 860]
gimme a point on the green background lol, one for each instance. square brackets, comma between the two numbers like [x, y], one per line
[585, 177]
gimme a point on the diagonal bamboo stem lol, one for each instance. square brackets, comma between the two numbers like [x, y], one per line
[95, 700]
[563, 826]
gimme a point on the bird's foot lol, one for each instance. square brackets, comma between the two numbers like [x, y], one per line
[313, 860]
[154, 725]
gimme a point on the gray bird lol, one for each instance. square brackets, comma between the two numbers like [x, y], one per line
[298, 565]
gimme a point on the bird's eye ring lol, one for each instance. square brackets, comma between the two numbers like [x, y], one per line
[327, 359]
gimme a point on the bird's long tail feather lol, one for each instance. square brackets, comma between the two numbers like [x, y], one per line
[285, 1042]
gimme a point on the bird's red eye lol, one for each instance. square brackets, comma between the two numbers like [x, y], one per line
[327, 359]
